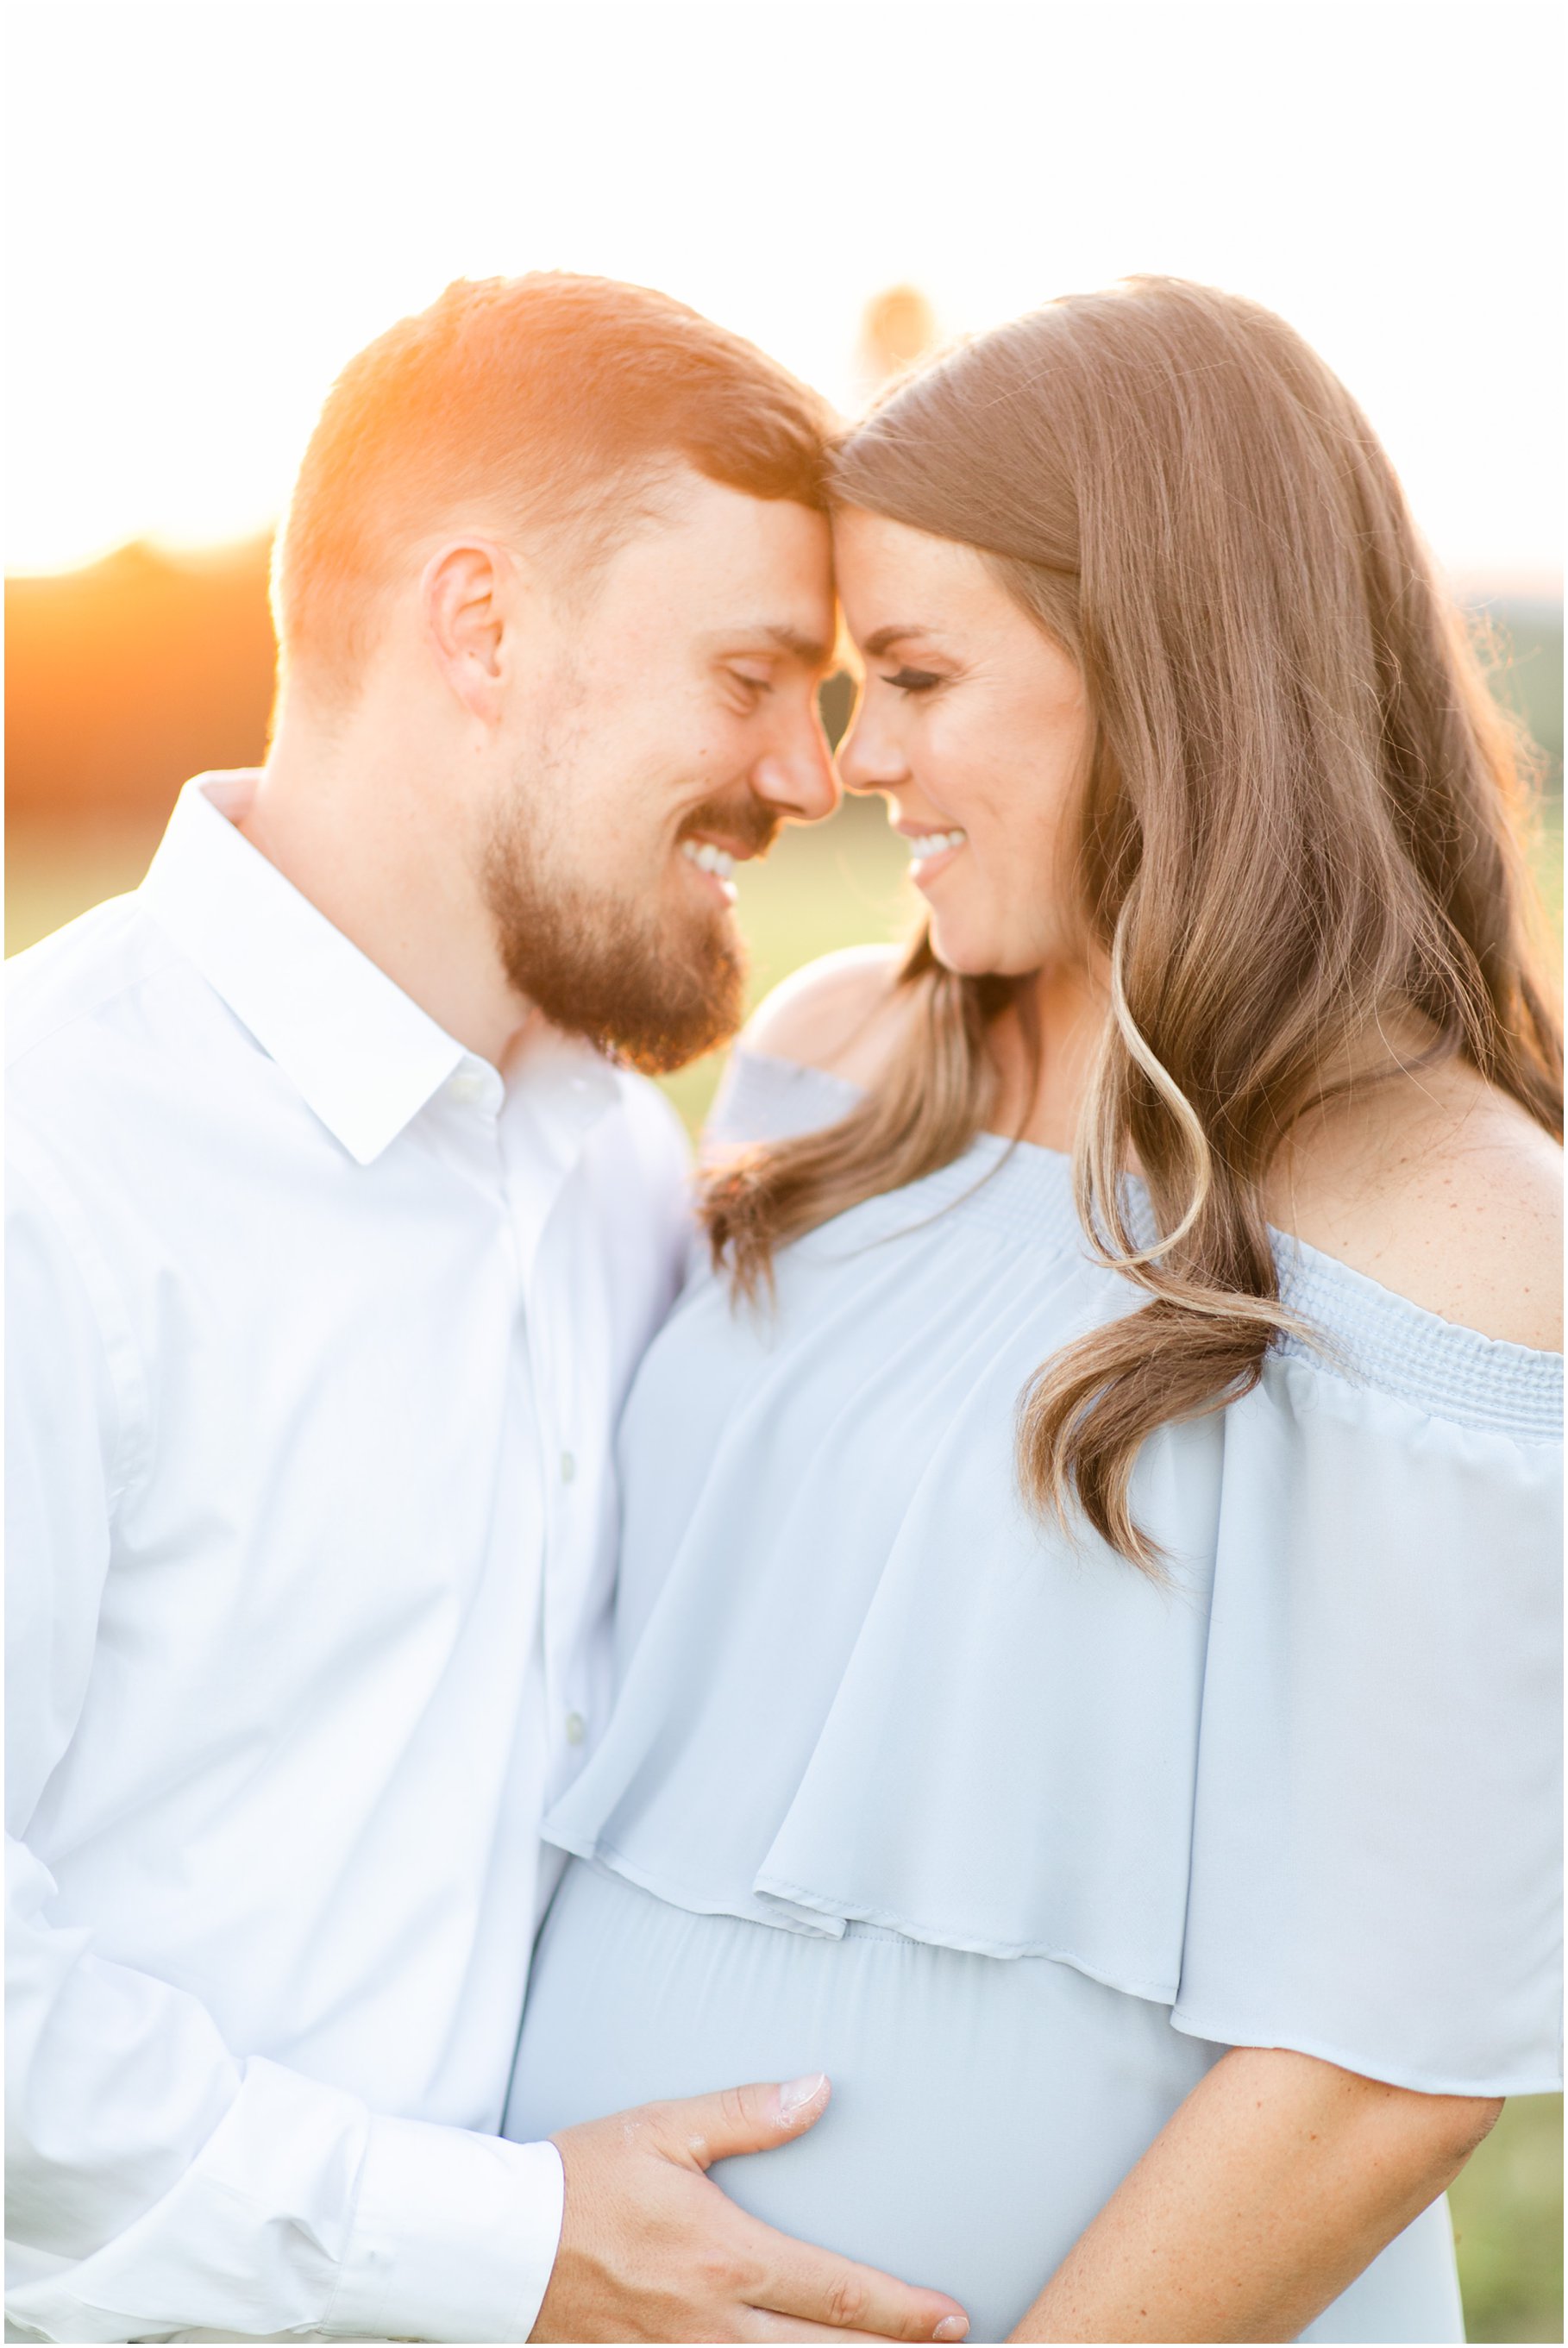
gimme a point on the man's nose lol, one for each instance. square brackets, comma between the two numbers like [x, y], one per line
[797, 778]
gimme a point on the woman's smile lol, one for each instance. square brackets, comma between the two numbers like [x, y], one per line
[931, 852]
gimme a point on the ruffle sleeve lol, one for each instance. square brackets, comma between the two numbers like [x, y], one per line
[1376, 1835]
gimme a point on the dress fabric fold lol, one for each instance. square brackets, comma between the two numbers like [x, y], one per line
[1302, 1795]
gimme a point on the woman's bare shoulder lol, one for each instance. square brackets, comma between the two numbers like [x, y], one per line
[1441, 1189]
[840, 1013]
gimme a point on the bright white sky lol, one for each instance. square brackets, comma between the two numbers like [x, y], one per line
[213, 205]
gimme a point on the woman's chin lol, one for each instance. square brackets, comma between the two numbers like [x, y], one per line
[972, 954]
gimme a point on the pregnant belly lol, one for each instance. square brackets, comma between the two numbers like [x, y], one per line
[982, 2111]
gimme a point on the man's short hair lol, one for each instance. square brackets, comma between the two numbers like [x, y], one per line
[547, 404]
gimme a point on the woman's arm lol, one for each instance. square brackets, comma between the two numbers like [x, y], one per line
[1277, 2182]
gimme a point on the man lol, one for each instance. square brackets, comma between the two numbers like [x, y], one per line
[335, 1236]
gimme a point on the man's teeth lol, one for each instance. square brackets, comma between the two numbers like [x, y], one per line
[934, 843]
[709, 859]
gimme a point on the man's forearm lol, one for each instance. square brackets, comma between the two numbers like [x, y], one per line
[156, 2183]
[1277, 2182]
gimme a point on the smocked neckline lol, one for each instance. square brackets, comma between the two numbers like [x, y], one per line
[1377, 1336]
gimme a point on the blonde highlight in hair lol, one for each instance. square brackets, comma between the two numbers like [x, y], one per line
[1302, 819]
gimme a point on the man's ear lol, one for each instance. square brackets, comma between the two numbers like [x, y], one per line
[467, 593]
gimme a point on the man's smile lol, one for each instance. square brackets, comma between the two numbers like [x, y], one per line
[716, 864]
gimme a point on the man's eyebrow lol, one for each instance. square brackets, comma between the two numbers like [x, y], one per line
[807, 650]
[884, 639]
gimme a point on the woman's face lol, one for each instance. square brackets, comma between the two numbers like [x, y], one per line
[974, 725]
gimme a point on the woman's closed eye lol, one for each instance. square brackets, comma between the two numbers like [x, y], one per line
[913, 680]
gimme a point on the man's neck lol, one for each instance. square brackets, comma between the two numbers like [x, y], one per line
[353, 832]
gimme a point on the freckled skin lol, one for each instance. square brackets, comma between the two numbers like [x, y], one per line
[1442, 1189]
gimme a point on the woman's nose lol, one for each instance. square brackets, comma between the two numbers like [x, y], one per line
[867, 761]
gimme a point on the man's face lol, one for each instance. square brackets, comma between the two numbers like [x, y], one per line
[670, 724]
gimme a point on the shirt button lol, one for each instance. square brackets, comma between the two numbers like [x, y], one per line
[568, 1467]
[576, 1728]
[466, 1086]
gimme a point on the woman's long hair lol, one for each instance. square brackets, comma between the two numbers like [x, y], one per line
[1301, 821]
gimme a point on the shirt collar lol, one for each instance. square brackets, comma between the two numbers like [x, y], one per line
[360, 1052]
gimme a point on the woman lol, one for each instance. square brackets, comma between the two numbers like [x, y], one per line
[1086, 1603]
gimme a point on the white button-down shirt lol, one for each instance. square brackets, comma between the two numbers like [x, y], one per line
[318, 1331]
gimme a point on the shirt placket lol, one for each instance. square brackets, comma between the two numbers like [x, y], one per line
[538, 1155]
[476, 1090]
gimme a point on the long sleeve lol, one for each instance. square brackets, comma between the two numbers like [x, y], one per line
[159, 2180]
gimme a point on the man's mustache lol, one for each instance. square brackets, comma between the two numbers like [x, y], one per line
[744, 824]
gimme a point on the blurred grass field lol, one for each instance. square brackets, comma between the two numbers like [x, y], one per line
[842, 883]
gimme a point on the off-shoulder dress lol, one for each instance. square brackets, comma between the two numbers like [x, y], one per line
[903, 1785]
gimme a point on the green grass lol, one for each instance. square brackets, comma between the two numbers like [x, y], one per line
[1508, 2225]
[841, 884]
[1546, 860]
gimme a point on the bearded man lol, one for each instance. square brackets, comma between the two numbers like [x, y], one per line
[339, 1219]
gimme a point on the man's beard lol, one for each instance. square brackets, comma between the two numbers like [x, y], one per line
[652, 985]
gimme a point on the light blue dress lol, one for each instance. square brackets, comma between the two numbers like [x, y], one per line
[903, 1784]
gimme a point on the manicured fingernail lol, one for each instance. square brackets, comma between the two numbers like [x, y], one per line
[952, 2327]
[796, 2094]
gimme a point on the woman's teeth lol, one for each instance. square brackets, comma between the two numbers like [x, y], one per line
[926, 844]
[707, 858]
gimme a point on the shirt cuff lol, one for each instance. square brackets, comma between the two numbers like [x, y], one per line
[454, 2236]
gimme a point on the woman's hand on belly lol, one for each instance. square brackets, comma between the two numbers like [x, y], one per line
[1277, 2180]
[651, 2248]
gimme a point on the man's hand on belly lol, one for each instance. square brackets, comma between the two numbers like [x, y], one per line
[651, 2248]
